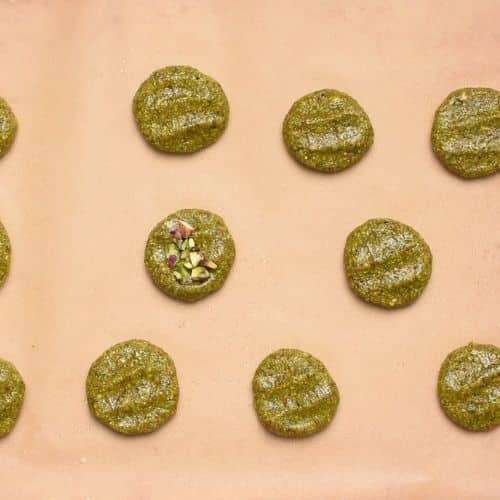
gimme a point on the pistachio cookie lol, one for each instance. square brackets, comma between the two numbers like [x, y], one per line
[8, 127]
[387, 263]
[327, 130]
[294, 395]
[11, 396]
[189, 254]
[469, 386]
[466, 132]
[4, 254]
[178, 109]
[132, 388]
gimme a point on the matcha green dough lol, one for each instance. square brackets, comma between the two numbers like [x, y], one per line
[327, 130]
[387, 263]
[180, 110]
[8, 127]
[294, 395]
[133, 387]
[469, 386]
[4, 254]
[466, 132]
[11, 396]
[189, 254]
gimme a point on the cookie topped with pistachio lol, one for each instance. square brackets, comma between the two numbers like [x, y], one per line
[178, 109]
[132, 388]
[294, 394]
[466, 132]
[387, 263]
[8, 127]
[11, 396]
[327, 130]
[189, 254]
[469, 386]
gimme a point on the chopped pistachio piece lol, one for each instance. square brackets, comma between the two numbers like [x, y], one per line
[171, 261]
[200, 274]
[183, 256]
[209, 264]
[172, 250]
[195, 258]
[185, 229]
[181, 230]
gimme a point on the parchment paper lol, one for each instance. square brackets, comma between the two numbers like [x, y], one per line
[80, 191]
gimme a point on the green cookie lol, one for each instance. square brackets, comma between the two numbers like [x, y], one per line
[8, 127]
[4, 254]
[189, 254]
[132, 388]
[466, 132]
[387, 263]
[294, 395]
[469, 386]
[327, 130]
[11, 396]
[180, 110]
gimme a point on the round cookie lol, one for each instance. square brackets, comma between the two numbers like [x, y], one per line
[8, 127]
[327, 130]
[387, 263]
[469, 386]
[132, 388]
[178, 109]
[189, 254]
[466, 132]
[11, 396]
[4, 254]
[294, 395]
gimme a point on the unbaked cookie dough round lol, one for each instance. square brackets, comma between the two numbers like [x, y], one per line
[11, 396]
[387, 263]
[294, 395]
[327, 130]
[8, 127]
[466, 132]
[132, 388]
[178, 109]
[189, 254]
[4, 254]
[469, 386]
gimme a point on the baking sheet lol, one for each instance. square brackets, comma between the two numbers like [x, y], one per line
[80, 191]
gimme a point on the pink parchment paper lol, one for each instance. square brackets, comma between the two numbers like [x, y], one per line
[80, 191]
